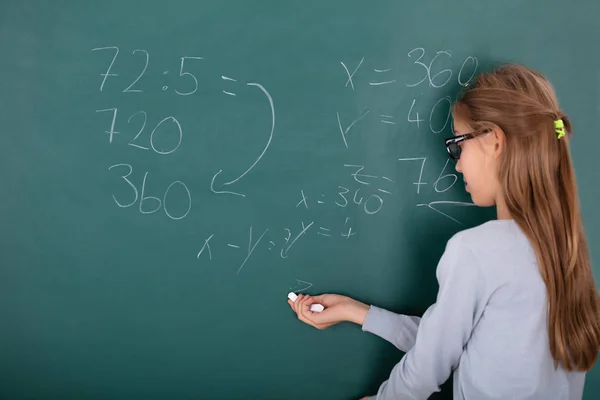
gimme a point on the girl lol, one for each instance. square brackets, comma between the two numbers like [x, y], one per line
[517, 314]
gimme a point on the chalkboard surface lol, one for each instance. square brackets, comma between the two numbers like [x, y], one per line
[171, 170]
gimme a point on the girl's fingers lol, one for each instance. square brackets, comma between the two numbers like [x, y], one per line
[319, 299]
[303, 309]
[300, 306]
[297, 303]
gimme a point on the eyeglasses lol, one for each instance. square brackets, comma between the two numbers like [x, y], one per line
[452, 144]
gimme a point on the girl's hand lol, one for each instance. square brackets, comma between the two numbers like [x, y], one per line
[338, 308]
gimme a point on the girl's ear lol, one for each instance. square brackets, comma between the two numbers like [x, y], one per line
[498, 141]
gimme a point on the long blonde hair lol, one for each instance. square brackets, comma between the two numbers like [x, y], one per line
[538, 183]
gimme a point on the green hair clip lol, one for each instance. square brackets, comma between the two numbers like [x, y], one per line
[559, 127]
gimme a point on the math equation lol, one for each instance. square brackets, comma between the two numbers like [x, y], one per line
[360, 188]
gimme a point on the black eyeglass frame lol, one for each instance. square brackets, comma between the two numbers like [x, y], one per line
[452, 146]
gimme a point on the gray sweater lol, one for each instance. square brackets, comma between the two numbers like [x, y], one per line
[488, 325]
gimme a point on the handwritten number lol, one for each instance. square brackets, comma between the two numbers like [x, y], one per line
[342, 193]
[145, 117]
[358, 202]
[410, 111]
[448, 72]
[373, 196]
[418, 62]
[124, 177]
[451, 176]
[181, 73]
[159, 124]
[189, 200]
[143, 71]
[289, 235]
[143, 113]
[428, 68]
[476, 64]
[112, 131]
[144, 200]
[147, 198]
[419, 182]
[107, 73]
[431, 78]
[449, 112]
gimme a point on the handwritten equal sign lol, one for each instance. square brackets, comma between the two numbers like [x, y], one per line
[379, 83]
[386, 119]
[226, 78]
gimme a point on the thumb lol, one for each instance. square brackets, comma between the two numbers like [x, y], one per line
[308, 301]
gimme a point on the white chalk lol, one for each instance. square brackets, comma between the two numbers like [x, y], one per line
[313, 307]
[316, 307]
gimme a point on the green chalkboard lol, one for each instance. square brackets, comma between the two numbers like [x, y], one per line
[171, 170]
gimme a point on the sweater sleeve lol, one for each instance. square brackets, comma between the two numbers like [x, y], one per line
[443, 330]
[398, 329]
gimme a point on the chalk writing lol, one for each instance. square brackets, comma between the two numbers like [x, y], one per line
[348, 234]
[155, 202]
[145, 119]
[357, 174]
[379, 81]
[129, 88]
[192, 76]
[453, 177]
[206, 246]
[303, 201]
[324, 231]
[272, 109]
[251, 247]
[419, 182]
[469, 60]
[361, 190]
[417, 120]
[386, 119]
[301, 286]
[133, 87]
[350, 75]
[108, 73]
[225, 78]
[445, 104]
[112, 131]
[174, 122]
[434, 205]
[288, 241]
[428, 76]
[371, 203]
[285, 251]
[344, 131]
